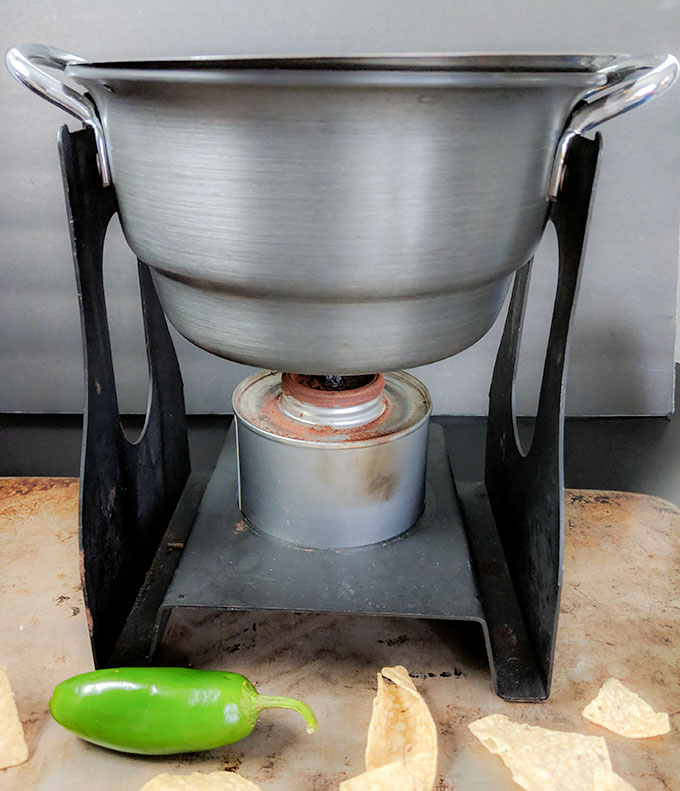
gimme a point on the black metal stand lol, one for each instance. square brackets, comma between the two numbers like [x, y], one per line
[128, 492]
[521, 503]
[153, 539]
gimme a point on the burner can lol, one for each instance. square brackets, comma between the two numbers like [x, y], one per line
[320, 481]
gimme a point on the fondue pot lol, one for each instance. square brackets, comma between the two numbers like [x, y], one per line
[340, 215]
[331, 220]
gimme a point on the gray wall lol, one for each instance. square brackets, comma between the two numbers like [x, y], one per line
[623, 342]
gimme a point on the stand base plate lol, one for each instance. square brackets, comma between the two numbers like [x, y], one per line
[424, 573]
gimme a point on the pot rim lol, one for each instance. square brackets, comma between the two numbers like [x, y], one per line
[366, 69]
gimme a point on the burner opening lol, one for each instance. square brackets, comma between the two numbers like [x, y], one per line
[334, 383]
[338, 401]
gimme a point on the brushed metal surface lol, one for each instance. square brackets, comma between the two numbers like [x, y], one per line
[342, 180]
[332, 230]
[622, 353]
[319, 337]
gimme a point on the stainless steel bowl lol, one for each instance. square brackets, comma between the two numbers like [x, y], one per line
[343, 215]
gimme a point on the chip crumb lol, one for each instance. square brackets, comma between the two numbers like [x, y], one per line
[13, 747]
[621, 711]
[540, 759]
[198, 781]
[389, 777]
[402, 728]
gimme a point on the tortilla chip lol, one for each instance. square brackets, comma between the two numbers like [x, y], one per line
[541, 759]
[13, 747]
[390, 777]
[621, 711]
[197, 781]
[606, 780]
[402, 728]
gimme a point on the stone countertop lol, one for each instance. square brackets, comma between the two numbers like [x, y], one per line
[620, 616]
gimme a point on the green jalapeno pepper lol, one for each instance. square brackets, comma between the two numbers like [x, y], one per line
[162, 710]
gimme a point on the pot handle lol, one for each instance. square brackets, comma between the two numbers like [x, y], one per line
[631, 82]
[24, 62]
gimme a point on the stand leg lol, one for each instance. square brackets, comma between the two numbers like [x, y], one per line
[128, 491]
[526, 491]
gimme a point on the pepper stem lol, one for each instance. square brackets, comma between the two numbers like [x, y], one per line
[275, 702]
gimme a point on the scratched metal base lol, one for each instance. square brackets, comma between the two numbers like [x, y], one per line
[425, 573]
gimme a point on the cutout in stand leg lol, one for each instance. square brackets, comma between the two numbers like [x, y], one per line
[128, 491]
[525, 492]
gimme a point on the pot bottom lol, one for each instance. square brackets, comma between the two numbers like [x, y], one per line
[320, 337]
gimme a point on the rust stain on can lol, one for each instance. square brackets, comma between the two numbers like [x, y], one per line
[380, 474]
[406, 404]
[272, 419]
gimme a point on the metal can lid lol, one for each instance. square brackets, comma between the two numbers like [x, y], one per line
[407, 404]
